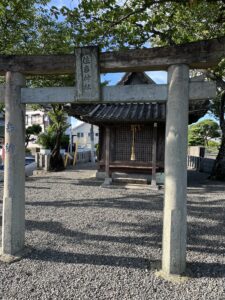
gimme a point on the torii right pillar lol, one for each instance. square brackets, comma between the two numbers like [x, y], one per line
[175, 212]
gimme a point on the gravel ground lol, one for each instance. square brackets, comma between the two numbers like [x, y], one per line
[90, 242]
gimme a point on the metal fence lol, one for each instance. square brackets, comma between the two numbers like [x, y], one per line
[200, 164]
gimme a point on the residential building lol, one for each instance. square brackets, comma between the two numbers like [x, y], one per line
[37, 117]
[82, 135]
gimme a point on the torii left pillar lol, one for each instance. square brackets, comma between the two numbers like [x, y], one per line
[13, 225]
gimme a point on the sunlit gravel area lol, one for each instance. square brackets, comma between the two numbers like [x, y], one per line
[89, 242]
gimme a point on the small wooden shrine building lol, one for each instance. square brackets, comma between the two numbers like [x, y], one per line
[131, 129]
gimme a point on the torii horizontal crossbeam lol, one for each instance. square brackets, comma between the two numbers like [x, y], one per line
[111, 94]
[198, 55]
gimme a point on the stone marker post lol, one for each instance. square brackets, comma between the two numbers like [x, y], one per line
[108, 179]
[174, 220]
[13, 226]
[92, 144]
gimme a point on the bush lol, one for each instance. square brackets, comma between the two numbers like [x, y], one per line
[27, 151]
[48, 140]
[213, 144]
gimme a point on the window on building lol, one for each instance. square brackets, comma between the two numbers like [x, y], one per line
[81, 134]
[78, 134]
[89, 134]
[96, 134]
[36, 119]
[26, 119]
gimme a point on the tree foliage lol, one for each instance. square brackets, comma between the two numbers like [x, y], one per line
[122, 24]
[35, 129]
[28, 27]
[202, 132]
[47, 139]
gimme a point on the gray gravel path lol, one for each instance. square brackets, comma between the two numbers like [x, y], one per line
[90, 242]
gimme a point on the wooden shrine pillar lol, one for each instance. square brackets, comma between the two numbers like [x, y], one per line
[108, 179]
[175, 215]
[13, 225]
[154, 156]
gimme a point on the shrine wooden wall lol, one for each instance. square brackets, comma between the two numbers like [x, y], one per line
[121, 140]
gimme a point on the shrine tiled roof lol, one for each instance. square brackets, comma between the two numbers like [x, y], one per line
[118, 112]
[131, 112]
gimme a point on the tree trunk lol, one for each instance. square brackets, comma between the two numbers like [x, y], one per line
[56, 160]
[27, 139]
[218, 171]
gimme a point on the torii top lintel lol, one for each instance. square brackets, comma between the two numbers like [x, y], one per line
[198, 55]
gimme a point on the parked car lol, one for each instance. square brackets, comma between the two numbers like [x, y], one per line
[30, 166]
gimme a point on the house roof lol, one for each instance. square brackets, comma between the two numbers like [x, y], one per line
[78, 126]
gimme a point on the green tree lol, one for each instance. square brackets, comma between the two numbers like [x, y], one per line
[54, 138]
[202, 132]
[47, 139]
[29, 27]
[58, 126]
[35, 129]
[134, 24]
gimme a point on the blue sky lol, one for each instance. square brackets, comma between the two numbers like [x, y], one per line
[68, 3]
[159, 77]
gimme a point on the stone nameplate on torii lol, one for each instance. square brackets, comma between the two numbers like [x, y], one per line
[87, 87]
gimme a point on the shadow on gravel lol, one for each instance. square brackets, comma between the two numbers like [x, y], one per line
[50, 255]
[200, 270]
[131, 202]
[206, 230]
[152, 238]
[194, 270]
[69, 181]
[38, 187]
[201, 181]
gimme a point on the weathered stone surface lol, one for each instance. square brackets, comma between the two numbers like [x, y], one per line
[13, 228]
[112, 94]
[87, 77]
[199, 55]
[174, 221]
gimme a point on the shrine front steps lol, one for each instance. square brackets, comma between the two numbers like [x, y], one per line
[126, 178]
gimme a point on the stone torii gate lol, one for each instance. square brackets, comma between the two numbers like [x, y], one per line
[88, 64]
